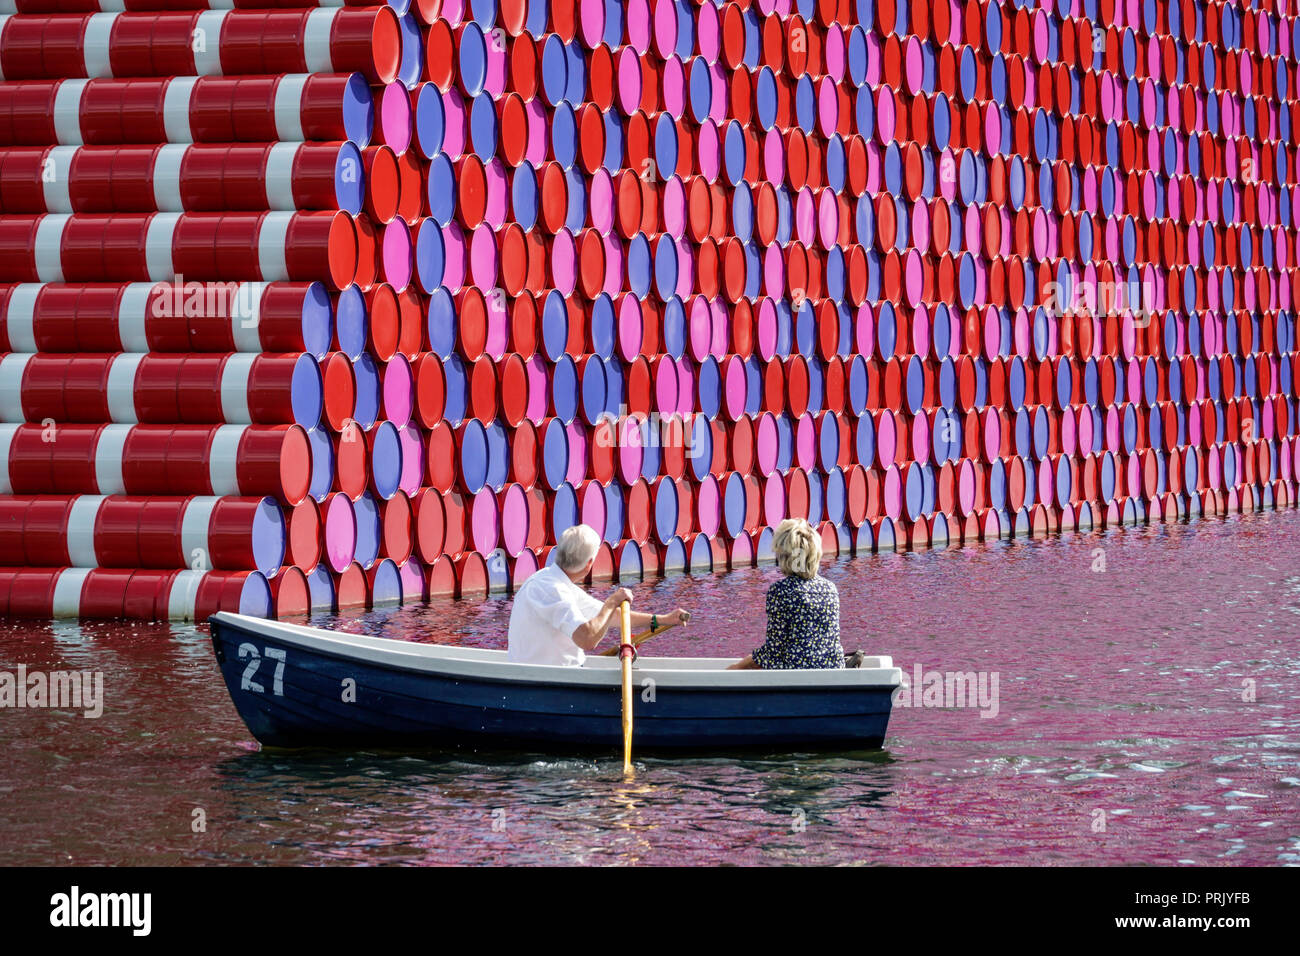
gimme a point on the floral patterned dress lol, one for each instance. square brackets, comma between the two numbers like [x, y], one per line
[803, 625]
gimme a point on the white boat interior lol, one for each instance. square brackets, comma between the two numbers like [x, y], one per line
[475, 662]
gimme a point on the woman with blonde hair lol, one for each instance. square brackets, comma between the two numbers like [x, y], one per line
[803, 608]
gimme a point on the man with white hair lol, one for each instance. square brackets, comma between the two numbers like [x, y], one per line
[554, 621]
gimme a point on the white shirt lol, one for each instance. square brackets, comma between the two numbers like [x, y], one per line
[548, 608]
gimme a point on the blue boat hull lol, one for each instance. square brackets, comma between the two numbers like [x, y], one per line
[311, 703]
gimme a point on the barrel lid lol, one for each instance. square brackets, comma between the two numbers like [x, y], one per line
[471, 58]
[384, 322]
[483, 389]
[397, 254]
[555, 69]
[385, 583]
[665, 509]
[430, 256]
[565, 389]
[513, 376]
[555, 453]
[306, 391]
[350, 323]
[340, 526]
[318, 318]
[430, 120]
[341, 250]
[411, 63]
[485, 521]
[472, 455]
[358, 106]
[320, 589]
[483, 126]
[349, 190]
[383, 182]
[471, 191]
[514, 517]
[369, 530]
[322, 463]
[398, 390]
[386, 38]
[385, 448]
[396, 118]
[554, 189]
[564, 510]
[365, 374]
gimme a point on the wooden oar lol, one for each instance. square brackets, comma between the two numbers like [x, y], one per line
[640, 639]
[625, 654]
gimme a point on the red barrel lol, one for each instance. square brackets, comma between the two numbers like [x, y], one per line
[231, 43]
[398, 538]
[270, 246]
[179, 178]
[137, 6]
[290, 595]
[185, 109]
[246, 460]
[351, 460]
[303, 544]
[166, 317]
[264, 389]
[350, 587]
[145, 595]
[89, 531]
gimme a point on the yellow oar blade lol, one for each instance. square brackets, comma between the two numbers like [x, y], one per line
[625, 649]
[639, 639]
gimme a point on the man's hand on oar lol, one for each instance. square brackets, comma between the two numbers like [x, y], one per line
[678, 618]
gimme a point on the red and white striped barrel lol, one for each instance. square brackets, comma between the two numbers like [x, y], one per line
[238, 460]
[185, 109]
[142, 595]
[267, 246]
[131, 388]
[208, 43]
[182, 178]
[142, 6]
[117, 531]
[166, 317]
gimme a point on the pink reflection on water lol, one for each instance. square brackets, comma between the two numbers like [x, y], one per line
[1124, 734]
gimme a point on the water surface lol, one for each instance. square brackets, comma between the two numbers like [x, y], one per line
[1125, 732]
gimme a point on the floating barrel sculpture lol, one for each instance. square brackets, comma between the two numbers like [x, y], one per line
[311, 305]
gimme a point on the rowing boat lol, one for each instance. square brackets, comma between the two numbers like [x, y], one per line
[300, 686]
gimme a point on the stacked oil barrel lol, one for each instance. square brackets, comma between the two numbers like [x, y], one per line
[313, 305]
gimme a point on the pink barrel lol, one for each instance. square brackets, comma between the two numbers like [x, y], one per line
[514, 517]
[484, 521]
[340, 531]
